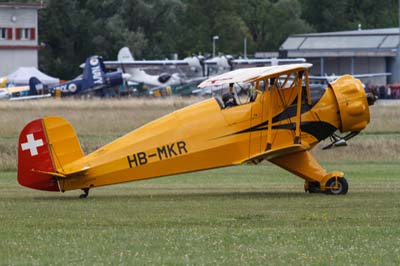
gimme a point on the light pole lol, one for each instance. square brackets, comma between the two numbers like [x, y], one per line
[245, 47]
[214, 39]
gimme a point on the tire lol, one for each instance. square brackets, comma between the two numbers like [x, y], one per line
[313, 187]
[343, 186]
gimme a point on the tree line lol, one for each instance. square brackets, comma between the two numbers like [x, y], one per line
[71, 30]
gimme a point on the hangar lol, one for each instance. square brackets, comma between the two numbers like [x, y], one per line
[349, 52]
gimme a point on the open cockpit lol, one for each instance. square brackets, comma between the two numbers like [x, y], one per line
[285, 86]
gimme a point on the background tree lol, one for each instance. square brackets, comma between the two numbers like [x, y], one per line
[271, 22]
[204, 19]
[325, 15]
[72, 30]
[157, 20]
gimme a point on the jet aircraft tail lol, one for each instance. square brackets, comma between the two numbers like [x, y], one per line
[45, 146]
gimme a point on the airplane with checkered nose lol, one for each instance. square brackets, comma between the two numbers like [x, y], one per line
[281, 120]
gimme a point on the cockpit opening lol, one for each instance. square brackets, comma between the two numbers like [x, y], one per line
[285, 86]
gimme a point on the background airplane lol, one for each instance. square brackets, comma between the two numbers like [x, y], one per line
[220, 64]
[6, 93]
[94, 78]
[200, 68]
[129, 65]
[23, 92]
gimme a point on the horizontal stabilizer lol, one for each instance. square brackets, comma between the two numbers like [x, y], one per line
[49, 173]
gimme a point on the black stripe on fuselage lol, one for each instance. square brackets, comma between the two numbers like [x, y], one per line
[288, 113]
[320, 130]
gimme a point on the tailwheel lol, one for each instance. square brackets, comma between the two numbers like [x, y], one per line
[85, 193]
[337, 186]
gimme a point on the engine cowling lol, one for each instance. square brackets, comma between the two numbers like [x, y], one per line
[352, 102]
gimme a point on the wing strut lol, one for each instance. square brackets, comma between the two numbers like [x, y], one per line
[269, 106]
[298, 114]
[308, 88]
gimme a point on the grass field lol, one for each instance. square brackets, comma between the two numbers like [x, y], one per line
[245, 215]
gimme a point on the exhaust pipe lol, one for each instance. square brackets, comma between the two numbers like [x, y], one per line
[336, 142]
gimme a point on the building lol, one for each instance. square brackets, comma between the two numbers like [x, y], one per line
[349, 52]
[18, 36]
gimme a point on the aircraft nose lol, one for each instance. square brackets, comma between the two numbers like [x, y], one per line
[352, 102]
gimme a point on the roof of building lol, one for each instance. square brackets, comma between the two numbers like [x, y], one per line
[37, 5]
[371, 42]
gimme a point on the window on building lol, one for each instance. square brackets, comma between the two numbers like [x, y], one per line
[6, 33]
[25, 34]
[3, 33]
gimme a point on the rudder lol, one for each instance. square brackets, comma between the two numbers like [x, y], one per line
[93, 72]
[44, 146]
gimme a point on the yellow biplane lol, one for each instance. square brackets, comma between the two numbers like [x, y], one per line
[280, 122]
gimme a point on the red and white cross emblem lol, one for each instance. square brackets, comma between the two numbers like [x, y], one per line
[32, 144]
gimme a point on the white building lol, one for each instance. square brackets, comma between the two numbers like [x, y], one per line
[18, 36]
[349, 52]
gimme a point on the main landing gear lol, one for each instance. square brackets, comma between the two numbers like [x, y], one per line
[85, 193]
[334, 186]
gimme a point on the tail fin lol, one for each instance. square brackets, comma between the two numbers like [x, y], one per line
[34, 86]
[93, 73]
[125, 55]
[45, 146]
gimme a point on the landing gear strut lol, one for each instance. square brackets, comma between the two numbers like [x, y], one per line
[85, 193]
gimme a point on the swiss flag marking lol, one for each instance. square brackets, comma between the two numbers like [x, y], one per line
[32, 144]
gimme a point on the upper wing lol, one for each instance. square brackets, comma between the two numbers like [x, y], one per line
[252, 74]
[125, 59]
[272, 61]
[143, 63]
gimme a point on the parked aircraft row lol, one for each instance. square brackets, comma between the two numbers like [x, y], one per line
[200, 68]
[94, 78]
[127, 70]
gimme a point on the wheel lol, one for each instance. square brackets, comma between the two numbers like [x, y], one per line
[342, 186]
[312, 187]
[85, 193]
